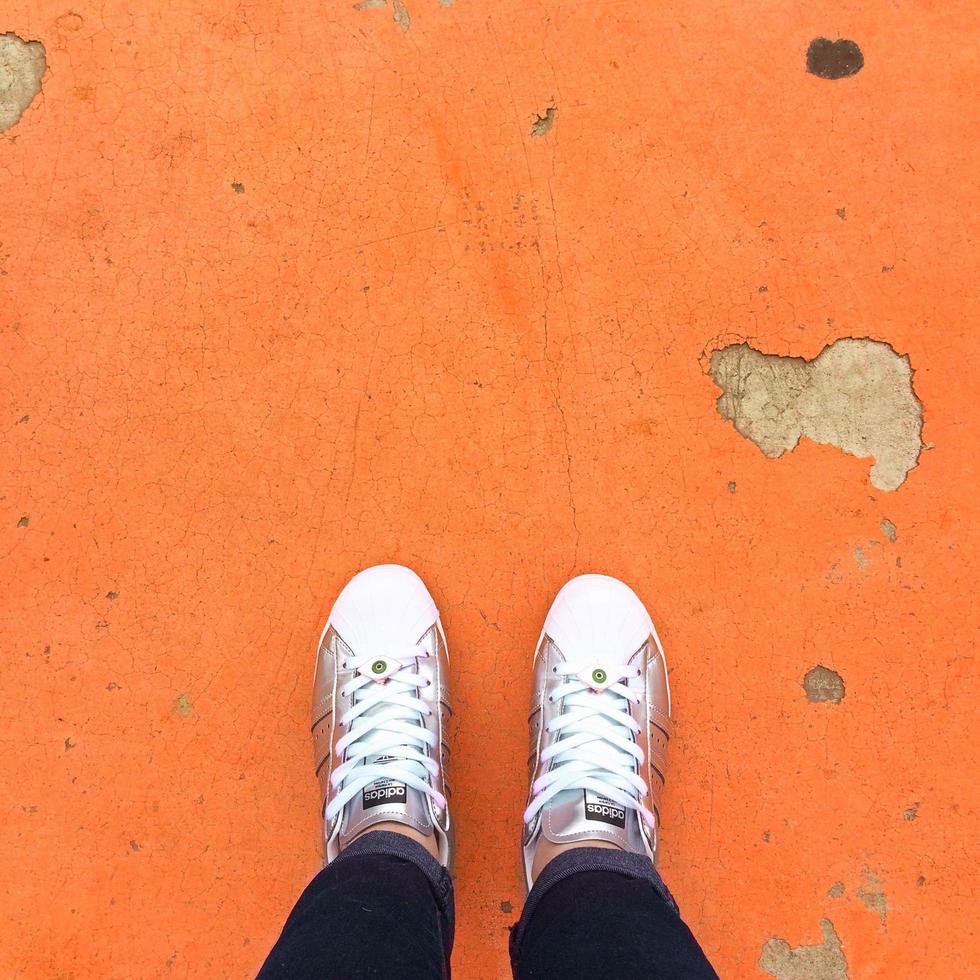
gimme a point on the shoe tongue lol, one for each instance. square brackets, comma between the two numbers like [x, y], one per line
[581, 814]
[385, 800]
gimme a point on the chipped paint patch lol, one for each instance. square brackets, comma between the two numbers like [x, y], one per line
[856, 394]
[542, 124]
[889, 530]
[183, 705]
[370, 4]
[22, 65]
[825, 961]
[400, 15]
[823, 684]
[836, 890]
[873, 895]
[911, 813]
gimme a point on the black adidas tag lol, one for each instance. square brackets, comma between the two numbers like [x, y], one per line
[604, 811]
[383, 791]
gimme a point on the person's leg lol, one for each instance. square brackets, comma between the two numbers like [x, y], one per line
[599, 913]
[600, 724]
[382, 908]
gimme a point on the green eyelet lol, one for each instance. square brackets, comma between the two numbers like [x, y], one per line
[378, 667]
[599, 676]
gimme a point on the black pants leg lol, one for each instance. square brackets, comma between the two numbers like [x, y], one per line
[383, 908]
[595, 914]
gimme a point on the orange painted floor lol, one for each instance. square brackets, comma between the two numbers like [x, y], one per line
[287, 289]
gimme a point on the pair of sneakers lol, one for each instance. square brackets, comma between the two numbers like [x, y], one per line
[599, 722]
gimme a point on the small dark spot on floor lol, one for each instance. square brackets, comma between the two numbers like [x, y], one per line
[238, 188]
[823, 684]
[24, 521]
[183, 705]
[763, 289]
[542, 124]
[134, 845]
[889, 530]
[833, 59]
[23, 419]
[836, 889]
[887, 268]
[112, 686]
[69, 744]
[112, 596]
[921, 880]
[506, 907]
[765, 836]
[911, 813]
[842, 214]
[731, 486]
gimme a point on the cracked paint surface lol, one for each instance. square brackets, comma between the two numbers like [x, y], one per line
[420, 334]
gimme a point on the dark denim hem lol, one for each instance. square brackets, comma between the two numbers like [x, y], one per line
[384, 842]
[587, 859]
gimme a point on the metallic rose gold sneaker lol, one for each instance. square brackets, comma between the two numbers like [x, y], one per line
[380, 710]
[600, 722]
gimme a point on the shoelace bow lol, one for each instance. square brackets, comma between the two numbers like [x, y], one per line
[595, 749]
[384, 722]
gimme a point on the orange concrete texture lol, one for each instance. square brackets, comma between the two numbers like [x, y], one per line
[288, 290]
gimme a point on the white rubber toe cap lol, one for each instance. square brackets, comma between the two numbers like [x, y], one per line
[383, 608]
[595, 616]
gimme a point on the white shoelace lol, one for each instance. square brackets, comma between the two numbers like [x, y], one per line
[595, 749]
[384, 723]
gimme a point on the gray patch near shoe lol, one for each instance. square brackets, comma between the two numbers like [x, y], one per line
[824, 961]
